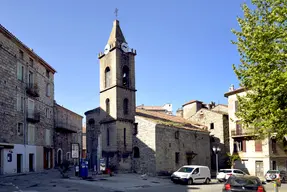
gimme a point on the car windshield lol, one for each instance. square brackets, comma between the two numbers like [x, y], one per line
[225, 171]
[185, 169]
[273, 171]
[244, 181]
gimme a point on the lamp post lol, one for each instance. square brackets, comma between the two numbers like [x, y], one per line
[216, 150]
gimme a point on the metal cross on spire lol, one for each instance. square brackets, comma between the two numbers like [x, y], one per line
[116, 12]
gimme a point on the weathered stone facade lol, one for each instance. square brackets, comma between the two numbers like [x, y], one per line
[26, 110]
[266, 154]
[218, 125]
[68, 131]
[159, 144]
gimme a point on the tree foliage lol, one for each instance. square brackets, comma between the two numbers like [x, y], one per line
[262, 45]
[232, 158]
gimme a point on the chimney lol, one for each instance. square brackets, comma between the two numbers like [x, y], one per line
[179, 112]
[231, 88]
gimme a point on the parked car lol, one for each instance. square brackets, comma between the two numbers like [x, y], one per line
[272, 175]
[243, 183]
[224, 174]
[192, 174]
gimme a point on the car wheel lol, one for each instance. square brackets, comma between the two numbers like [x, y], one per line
[190, 181]
[207, 181]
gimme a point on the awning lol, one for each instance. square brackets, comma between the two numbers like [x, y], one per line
[6, 146]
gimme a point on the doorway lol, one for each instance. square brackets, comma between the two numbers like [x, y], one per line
[19, 163]
[274, 166]
[59, 157]
[31, 162]
[259, 169]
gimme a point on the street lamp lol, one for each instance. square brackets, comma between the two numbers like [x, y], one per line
[216, 150]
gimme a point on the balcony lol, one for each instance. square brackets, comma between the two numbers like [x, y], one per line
[33, 116]
[32, 89]
[241, 133]
[66, 127]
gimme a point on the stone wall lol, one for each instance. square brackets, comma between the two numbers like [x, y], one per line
[68, 130]
[144, 140]
[10, 86]
[188, 142]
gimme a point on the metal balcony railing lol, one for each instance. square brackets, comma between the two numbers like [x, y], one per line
[66, 126]
[33, 116]
[32, 89]
[241, 133]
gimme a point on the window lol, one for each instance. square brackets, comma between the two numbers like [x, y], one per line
[136, 152]
[30, 79]
[31, 134]
[20, 71]
[31, 62]
[236, 106]
[47, 113]
[48, 90]
[176, 134]
[20, 128]
[47, 73]
[238, 128]
[68, 156]
[108, 106]
[273, 145]
[136, 129]
[177, 157]
[20, 103]
[211, 125]
[21, 54]
[108, 137]
[125, 137]
[107, 77]
[196, 171]
[258, 145]
[126, 106]
[240, 146]
[48, 137]
[238, 172]
[125, 76]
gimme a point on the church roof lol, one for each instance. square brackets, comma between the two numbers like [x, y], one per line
[116, 34]
[170, 120]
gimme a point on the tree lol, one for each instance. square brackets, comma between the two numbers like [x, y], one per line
[262, 45]
[232, 158]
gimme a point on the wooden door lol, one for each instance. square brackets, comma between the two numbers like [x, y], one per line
[259, 169]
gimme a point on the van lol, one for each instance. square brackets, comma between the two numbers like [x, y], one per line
[192, 174]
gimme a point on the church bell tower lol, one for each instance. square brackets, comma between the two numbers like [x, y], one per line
[117, 100]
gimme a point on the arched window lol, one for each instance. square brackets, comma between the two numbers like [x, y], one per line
[108, 137]
[136, 152]
[126, 76]
[125, 135]
[126, 106]
[108, 106]
[107, 77]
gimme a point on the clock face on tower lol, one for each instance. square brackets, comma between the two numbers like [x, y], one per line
[125, 47]
[107, 49]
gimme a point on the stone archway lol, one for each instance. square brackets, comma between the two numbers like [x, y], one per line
[59, 156]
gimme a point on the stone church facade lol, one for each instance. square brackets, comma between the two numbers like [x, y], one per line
[137, 140]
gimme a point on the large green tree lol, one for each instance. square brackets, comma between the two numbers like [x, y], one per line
[262, 45]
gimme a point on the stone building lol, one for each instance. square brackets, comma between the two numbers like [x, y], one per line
[162, 143]
[26, 107]
[166, 108]
[256, 156]
[84, 142]
[113, 134]
[68, 131]
[215, 117]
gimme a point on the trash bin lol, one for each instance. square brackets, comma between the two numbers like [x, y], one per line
[84, 169]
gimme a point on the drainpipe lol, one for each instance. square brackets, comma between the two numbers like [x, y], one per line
[25, 124]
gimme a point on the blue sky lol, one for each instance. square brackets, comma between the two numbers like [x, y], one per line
[184, 49]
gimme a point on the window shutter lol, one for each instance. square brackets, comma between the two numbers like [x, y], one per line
[236, 106]
[244, 145]
[258, 145]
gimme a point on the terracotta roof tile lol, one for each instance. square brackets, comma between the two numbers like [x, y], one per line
[151, 107]
[238, 90]
[175, 121]
[192, 101]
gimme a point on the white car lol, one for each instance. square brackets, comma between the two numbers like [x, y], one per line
[192, 174]
[224, 174]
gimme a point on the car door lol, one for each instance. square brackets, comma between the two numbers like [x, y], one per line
[196, 176]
